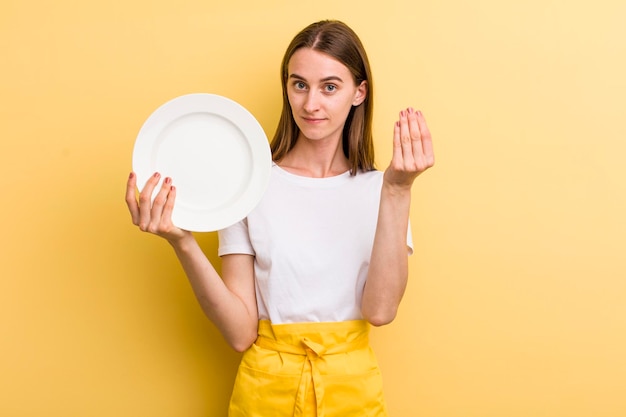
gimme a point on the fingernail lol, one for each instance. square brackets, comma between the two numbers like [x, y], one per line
[157, 175]
[168, 180]
[132, 174]
[411, 110]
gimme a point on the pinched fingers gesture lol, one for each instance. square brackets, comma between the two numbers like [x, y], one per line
[153, 216]
[412, 149]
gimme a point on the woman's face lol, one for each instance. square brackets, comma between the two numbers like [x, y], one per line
[321, 92]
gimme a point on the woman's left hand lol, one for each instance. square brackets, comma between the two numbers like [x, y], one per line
[412, 149]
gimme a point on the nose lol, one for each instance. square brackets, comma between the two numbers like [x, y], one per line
[311, 103]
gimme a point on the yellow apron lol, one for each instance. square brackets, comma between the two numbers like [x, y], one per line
[309, 369]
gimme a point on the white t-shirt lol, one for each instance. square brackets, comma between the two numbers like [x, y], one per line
[312, 240]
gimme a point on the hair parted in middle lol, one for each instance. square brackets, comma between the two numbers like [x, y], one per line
[340, 42]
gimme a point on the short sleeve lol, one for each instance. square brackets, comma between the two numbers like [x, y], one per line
[235, 239]
[409, 239]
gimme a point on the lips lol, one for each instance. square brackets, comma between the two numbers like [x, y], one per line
[312, 120]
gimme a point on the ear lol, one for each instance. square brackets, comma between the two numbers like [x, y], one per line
[361, 93]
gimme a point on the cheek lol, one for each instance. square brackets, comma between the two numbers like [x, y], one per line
[343, 107]
[293, 100]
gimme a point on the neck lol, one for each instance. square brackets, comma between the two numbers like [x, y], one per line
[316, 158]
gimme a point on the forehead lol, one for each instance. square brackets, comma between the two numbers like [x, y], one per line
[309, 63]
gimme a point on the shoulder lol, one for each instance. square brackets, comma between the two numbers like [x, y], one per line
[369, 176]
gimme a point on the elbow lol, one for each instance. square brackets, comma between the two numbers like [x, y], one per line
[241, 347]
[381, 317]
[240, 340]
[242, 344]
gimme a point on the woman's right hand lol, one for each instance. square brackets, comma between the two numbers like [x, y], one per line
[154, 216]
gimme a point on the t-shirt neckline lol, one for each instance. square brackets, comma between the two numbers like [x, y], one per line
[311, 181]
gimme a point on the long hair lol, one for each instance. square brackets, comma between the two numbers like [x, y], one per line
[337, 40]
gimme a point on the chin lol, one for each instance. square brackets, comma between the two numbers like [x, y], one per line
[309, 133]
[313, 136]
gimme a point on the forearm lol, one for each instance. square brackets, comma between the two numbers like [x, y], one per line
[227, 310]
[388, 271]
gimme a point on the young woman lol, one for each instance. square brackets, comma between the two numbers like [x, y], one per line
[324, 254]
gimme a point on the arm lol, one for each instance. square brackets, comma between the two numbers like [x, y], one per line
[230, 302]
[388, 272]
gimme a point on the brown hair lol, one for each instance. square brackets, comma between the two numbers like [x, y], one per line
[336, 39]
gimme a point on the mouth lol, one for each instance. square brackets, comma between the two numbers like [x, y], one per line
[312, 120]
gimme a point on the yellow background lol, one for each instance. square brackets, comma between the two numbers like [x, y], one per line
[517, 298]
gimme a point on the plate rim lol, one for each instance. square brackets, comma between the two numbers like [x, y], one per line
[203, 220]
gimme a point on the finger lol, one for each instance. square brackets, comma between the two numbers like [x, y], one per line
[168, 209]
[397, 144]
[405, 139]
[145, 201]
[416, 136]
[427, 140]
[160, 200]
[131, 198]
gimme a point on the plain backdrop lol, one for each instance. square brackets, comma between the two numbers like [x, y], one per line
[516, 300]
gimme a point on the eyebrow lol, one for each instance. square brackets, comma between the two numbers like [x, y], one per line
[329, 78]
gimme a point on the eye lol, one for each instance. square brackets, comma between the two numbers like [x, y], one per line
[299, 85]
[329, 88]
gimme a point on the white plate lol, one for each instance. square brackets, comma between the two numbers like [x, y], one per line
[216, 153]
